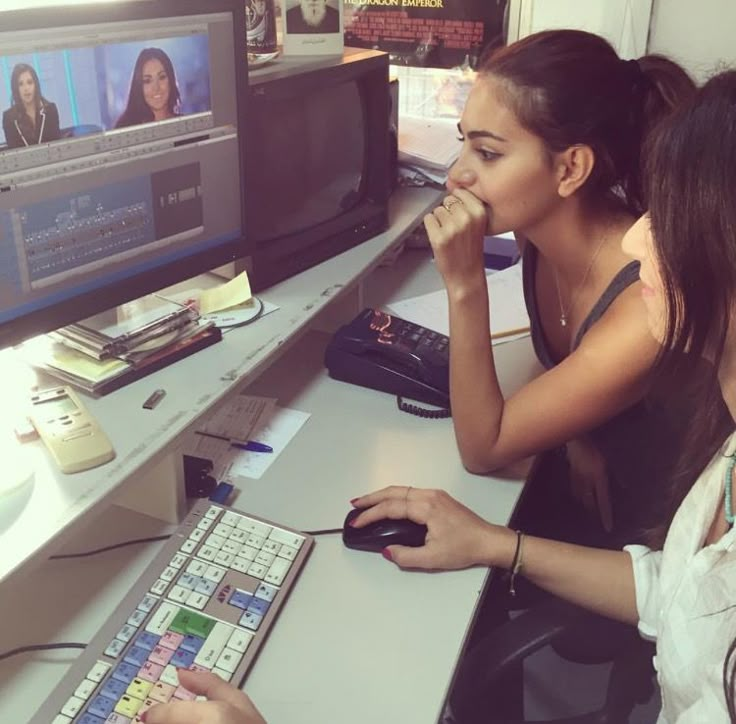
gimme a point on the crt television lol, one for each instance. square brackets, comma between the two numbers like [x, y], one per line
[131, 179]
[318, 153]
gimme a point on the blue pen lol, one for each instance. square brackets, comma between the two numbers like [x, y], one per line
[252, 446]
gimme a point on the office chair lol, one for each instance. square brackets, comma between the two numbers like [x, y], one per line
[503, 649]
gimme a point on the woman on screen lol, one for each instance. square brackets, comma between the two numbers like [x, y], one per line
[154, 94]
[31, 119]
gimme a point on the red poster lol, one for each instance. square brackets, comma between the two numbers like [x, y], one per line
[433, 33]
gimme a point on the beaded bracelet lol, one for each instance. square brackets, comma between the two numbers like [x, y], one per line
[517, 562]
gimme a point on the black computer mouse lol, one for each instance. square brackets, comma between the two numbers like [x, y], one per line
[387, 532]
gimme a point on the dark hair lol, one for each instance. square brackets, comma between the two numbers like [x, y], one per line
[18, 70]
[137, 110]
[690, 167]
[570, 87]
[729, 681]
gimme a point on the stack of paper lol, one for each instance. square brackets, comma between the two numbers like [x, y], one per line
[430, 144]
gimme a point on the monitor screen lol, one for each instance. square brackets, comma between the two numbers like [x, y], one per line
[321, 138]
[120, 162]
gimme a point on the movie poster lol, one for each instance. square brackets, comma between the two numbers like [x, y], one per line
[431, 33]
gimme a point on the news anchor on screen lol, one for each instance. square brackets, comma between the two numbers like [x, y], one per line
[154, 94]
[312, 16]
[31, 119]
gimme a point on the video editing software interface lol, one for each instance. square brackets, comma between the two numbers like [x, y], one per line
[132, 161]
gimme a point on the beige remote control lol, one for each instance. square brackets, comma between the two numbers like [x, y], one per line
[72, 435]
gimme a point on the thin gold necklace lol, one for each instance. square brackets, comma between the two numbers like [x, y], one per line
[573, 297]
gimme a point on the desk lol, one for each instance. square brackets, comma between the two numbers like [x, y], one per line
[143, 439]
[358, 638]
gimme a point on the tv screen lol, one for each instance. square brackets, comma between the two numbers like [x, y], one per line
[318, 150]
[311, 159]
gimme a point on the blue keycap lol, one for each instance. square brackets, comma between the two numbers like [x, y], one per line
[101, 706]
[241, 599]
[259, 606]
[147, 641]
[125, 672]
[114, 688]
[182, 658]
[136, 656]
[192, 643]
[88, 718]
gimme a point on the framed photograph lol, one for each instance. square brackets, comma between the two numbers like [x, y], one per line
[312, 27]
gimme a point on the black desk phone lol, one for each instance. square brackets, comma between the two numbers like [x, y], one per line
[384, 352]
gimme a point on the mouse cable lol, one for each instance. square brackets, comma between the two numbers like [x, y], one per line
[155, 539]
[327, 531]
[40, 647]
[112, 547]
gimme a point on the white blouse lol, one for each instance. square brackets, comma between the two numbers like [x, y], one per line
[686, 600]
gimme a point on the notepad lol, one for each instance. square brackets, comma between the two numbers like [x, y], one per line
[506, 305]
[236, 418]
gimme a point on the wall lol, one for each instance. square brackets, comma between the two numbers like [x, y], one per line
[697, 34]
[624, 23]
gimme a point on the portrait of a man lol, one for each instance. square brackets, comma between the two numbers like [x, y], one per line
[312, 16]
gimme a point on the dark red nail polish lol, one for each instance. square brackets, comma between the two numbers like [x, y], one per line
[386, 553]
[142, 717]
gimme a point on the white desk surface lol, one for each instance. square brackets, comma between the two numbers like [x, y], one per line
[193, 385]
[358, 639]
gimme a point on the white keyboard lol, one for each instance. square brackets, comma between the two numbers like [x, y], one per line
[207, 602]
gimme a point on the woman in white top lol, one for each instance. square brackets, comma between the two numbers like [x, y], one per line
[685, 595]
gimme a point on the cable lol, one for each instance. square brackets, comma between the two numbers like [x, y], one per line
[40, 647]
[94, 552]
[430, 414]
[328, 531]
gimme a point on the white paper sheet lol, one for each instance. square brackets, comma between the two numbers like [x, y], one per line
[506, 304]
[276, 429]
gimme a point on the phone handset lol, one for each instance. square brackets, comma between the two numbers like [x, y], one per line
[72, 436]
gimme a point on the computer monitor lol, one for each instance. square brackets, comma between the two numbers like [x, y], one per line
[120, 153]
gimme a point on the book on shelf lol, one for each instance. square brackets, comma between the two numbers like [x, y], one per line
[152, 321]
[99, 377]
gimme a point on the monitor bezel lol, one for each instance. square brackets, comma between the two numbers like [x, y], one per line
[39, 321]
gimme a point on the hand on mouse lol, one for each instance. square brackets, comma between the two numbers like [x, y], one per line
[456, 537]
[225, 704]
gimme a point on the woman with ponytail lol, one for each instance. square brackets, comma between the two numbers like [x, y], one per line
[553, 133]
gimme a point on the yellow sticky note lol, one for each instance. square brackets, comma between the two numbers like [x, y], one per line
[236, 291]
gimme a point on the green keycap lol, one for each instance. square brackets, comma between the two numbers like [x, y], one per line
[199, 625]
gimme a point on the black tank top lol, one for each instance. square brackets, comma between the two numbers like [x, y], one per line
[640, 444]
